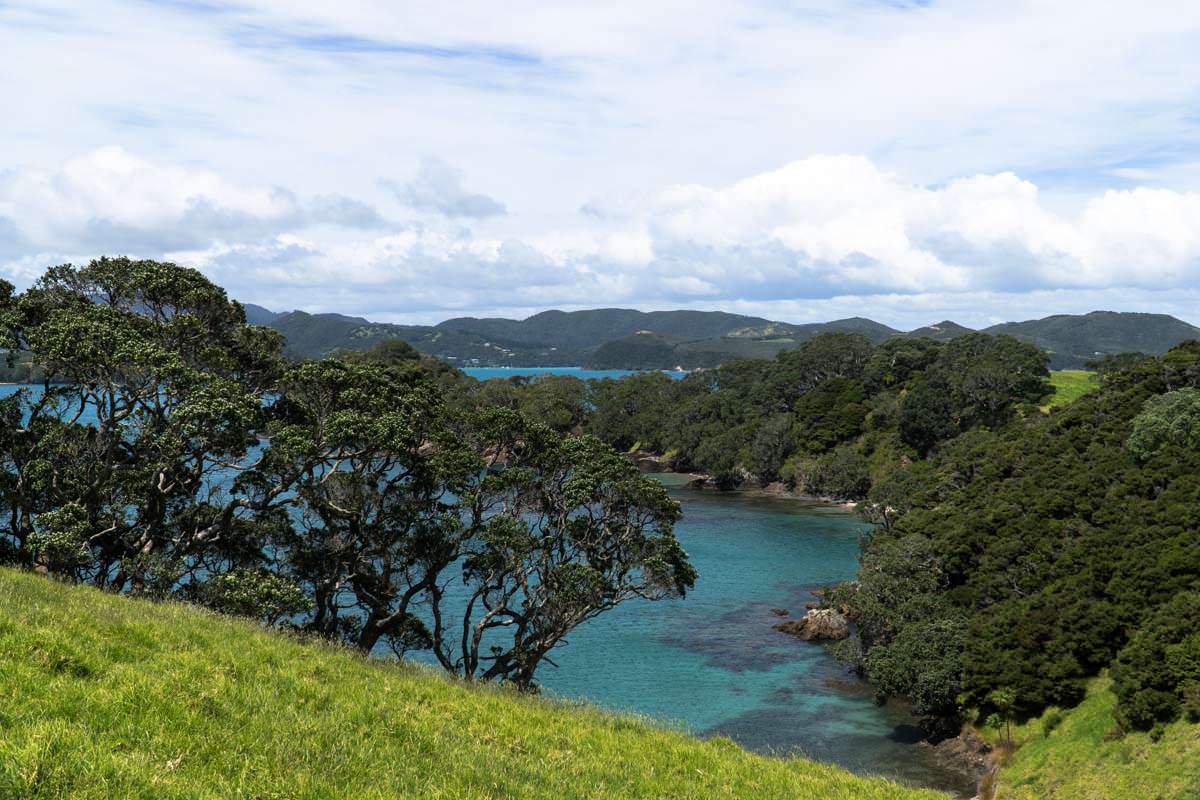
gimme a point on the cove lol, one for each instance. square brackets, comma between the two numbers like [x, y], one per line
[712, 663]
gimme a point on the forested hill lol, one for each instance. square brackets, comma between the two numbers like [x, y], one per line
[615, 338]
[1074, 339]
[1023, 546]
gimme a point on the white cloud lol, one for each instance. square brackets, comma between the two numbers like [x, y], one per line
[814, 230]
[438, 187]
[1028, 148]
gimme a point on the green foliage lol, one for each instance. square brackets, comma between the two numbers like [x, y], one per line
[257, 594]
[976, 379]
[1156, 674]
[1070, 385]
[842, 474]
[1055, 544]
[1073, 340]
[1171, 419]
[1051, 720]
[176, 454]
[833, 411]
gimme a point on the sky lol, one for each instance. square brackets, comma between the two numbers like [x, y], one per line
[412, 161]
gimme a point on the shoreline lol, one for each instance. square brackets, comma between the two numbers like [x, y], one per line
[654, 463]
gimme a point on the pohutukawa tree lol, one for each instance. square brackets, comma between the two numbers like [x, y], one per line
[374, 476]
[565, 530]
[119, 471]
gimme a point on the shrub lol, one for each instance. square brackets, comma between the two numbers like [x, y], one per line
[1052, 719]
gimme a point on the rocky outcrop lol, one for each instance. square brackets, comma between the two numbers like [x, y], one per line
[651, 462]
[822, 624]
[969, 754]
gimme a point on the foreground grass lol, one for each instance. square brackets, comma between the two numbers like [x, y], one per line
[102, 696]
[1070, 385]
[1081, 760]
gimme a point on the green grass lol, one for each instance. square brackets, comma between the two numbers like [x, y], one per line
[1070, 385]
[105, 697]
[1081, 759]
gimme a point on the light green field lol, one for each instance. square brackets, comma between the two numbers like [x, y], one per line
[1081, 760]
[1070, 385]
[105, 697]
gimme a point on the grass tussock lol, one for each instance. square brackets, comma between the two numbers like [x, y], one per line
[104, 697]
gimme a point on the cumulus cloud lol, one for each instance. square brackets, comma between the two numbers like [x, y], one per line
[111, 200]
[820, 232]
[438, 187]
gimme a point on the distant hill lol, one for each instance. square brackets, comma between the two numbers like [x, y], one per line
[649, 350]
[257, 315]
[1074, 339]
[942, 331]
[620, 338]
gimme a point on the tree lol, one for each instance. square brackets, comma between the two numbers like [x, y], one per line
[1004, 700]
[119, 473]
[773, 443]
[559, 401]
[976, 379]
[825, 356]
[371, 472]
[1168, 419]
[1157, 673]
[565, 531]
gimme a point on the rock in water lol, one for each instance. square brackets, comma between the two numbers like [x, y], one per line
[818, 624]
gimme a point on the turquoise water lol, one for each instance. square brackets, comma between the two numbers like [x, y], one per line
[486, 373]
[712, 663]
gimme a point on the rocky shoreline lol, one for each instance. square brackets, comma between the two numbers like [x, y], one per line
[650, 462]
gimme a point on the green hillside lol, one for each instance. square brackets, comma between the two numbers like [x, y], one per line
[1079, 759]
[1074, 339]
[102, 697]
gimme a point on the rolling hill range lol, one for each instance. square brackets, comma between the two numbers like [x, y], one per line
[615, 338]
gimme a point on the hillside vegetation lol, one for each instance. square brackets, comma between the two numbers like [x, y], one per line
[1072, 340]
[1079, 758]
[103, 696]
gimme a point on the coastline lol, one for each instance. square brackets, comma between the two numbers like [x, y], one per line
[656, 463]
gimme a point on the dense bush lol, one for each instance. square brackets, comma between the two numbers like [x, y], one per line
[1157, 675]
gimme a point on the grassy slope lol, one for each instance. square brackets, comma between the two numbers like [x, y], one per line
[1070, 385]
[101, 696]
[1078, 761]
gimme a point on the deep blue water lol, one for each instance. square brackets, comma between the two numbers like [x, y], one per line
[713, 665]
[485, 373]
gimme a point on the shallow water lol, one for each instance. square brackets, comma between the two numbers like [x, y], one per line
[712, 663]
